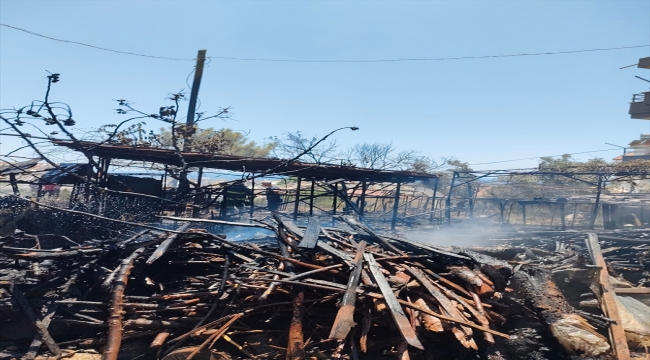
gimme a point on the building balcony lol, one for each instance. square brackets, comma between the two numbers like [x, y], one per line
[640, 106]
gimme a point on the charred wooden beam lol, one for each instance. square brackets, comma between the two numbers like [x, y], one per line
[117, 303]
[344, 320]
[571, 330]
[608, 299]
[399, 317]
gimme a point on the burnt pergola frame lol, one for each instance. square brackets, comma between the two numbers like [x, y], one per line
[331, 175]
[602, 175]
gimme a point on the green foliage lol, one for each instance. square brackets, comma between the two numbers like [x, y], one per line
[223, 141]
[566, 163]
[457, 165]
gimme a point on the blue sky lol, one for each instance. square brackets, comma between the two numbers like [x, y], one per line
[476, 110]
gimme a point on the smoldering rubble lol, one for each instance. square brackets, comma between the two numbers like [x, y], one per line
[320, 292]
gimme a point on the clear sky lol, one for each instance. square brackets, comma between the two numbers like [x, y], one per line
[476, 110]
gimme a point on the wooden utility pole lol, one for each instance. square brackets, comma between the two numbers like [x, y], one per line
[191, 110]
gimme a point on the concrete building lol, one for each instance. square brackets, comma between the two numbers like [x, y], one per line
[638, 150]
[640, 105]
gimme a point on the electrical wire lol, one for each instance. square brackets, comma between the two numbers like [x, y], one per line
[539, 157]
[328, 61]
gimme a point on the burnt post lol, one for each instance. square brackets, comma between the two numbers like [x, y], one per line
[198, 198]
[470, 200]
[448, 200]
[296, 203]
[334, 203]
[311, 197]
[251, 210]
[396, 205]
[14, 184]
[594, 211]
[433, 201]
[362, 199]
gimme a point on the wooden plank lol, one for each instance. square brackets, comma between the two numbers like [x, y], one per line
[384, 242]
[393, 304]
[631, 291]
[345, 317]
[464, 334]
[162, 248]
[289, 226]
[334, 251]
[312, 232]
[608, 300]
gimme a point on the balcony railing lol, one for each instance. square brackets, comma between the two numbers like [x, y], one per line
[637, 98]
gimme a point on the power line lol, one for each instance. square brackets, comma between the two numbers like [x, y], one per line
[329, 61]
[429, 59]
[539, 157]
[93, 46]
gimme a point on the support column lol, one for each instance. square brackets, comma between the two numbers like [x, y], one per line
[334, 203]
[311, 197]
[562, 216]
[523, 212]
[197, 197]
[433, 202]
[470, 200]
[396, 205]
[362, 200]
[448, 200]
[251, 210]
[296, 203]
[594, 211]
[14, 184]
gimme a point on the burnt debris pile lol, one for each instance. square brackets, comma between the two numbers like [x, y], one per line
[316, 292]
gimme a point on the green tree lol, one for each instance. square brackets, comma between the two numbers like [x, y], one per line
[223, 141]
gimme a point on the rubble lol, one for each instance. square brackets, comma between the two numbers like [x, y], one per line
[313, 292]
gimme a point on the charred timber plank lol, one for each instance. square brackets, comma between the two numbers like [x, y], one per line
[41, 255]
[612, 238]
[311, 234]
[296, 342]
[464, 334]
[40, 325]
[384, 242]
[393, 304]
[622, 291]
[333, 251]
[344, 320]
[541, 292]
[608, 303]
[220, 222]
[162, 248]
[117, 304]
[289, 225]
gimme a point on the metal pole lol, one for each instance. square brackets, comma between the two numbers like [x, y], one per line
[296, 204]
[191, 110]
[396, 205]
